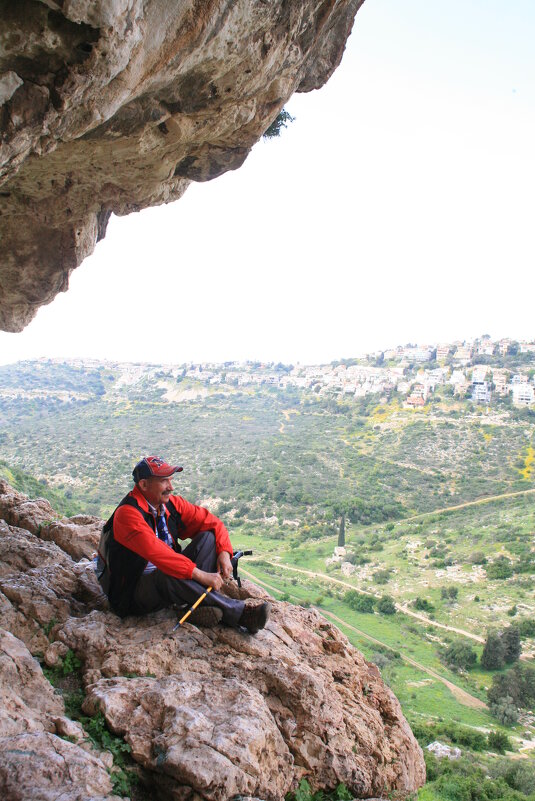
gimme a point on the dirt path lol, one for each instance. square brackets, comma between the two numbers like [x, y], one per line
[461, 695]
[479, 501]
[399, 607]
[287, 413]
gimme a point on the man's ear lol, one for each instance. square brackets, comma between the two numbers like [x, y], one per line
[143, 484]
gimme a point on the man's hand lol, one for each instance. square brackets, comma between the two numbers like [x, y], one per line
[224, 565]
[212, 580]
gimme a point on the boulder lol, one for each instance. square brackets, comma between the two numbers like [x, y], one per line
[40, 765]
[18, 510]
[35, 763]
[443, 751]
[40, 584]
[79, 540]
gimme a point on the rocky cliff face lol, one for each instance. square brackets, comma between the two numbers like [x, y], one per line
[115, 105]
[208, 713]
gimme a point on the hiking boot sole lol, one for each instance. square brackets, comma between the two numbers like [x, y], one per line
[206, 617]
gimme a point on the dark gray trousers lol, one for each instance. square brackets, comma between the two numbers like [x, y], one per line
[156, 590]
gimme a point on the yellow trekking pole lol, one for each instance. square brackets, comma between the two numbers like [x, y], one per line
[199, 600]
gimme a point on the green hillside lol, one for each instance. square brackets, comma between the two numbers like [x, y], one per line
[271, 452]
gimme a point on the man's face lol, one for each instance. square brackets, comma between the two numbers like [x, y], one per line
[156, 490]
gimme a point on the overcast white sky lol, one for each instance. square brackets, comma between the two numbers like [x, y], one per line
[399, 206]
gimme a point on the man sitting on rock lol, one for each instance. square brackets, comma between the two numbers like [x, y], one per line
[149, 570]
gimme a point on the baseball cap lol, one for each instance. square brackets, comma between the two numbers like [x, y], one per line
[154, 466]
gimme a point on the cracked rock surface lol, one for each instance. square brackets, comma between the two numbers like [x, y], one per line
[208, 713]
[115, 105]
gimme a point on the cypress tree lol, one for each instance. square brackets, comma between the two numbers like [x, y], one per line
[511, 643]
[493, 656]
[342, 531]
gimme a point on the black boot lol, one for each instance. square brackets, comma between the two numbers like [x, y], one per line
[254, 618]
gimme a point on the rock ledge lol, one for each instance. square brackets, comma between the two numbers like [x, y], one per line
[208, 713]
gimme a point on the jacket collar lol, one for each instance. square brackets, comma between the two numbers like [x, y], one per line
[140, 498]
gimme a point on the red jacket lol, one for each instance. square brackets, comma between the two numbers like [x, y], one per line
[132, 531]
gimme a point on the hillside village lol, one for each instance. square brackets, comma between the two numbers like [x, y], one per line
[482, 370]
[487, 372]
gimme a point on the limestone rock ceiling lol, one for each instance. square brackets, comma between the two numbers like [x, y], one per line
[115, 105]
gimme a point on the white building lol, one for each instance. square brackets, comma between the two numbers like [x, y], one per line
[480, 392]
[523, 394]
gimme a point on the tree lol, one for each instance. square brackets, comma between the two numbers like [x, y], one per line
[511, 643]
[342, 531]
[460, 655]
[281, 121]
[504, 711]
[386, 605]
[493, 656]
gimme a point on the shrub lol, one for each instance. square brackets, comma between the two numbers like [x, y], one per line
[281, 121]
[424, 733]
[381, 576]
[305, 793]
[501, 568]
[423, 604]
[460, 655]
[526, 627]
[358, 601]
[504, 711]
[520, 776]
[499, 742]
[516, 684]
[380, 660]
[454, 787]
[386, 605]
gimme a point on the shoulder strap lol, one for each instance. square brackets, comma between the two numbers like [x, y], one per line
[128, 500]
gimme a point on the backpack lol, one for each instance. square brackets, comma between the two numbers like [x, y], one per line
[101, 561]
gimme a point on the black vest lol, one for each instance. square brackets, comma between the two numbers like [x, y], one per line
[126, 566]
